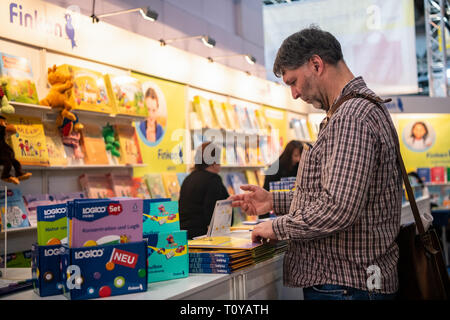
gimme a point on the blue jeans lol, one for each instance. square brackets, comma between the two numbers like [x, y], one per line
[338, 292]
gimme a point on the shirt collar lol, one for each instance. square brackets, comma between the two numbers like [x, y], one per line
[353, 85]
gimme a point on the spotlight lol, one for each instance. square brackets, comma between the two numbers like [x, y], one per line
[249, 58]
[207, 40]
[147, 13]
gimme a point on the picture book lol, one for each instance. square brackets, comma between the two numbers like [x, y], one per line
[221, 219]
[96, 186]
[437, 174]
[171, 185]
[125, 93]
[230, 115]
[181, 176]
[219, 115]
[89, 90]
[194, 121]
[93, 144]
[252, 155]
[220, 255]
[242, 115]
[105, 221]
[52, 224]
[155, 185]
[424, 174]
[29, 143]
[16, 72]
[251, 177]
[140, 189]
[241, 157]
[223, 242]
[122, 184]
[16, 215]
[55, 148]
[252, 118]
[32, 201]
[260, 117]
[203, 109]
[263, 151]
[168, 255]
[130, 152]
[230, 153]
[160, 215]
[236, 180]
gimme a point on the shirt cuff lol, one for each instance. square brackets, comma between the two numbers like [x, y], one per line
[279, 228]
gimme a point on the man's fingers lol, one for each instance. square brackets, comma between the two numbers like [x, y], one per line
[249, 187]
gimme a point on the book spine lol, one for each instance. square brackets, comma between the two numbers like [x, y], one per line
[209, 270]
[208, 265]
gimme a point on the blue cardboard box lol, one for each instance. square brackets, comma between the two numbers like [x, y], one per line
[46, 269]
[103, 271]
[168, 255]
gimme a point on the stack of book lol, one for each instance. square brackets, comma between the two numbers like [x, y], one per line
[218, 260]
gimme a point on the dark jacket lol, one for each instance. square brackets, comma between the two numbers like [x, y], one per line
[198, 195]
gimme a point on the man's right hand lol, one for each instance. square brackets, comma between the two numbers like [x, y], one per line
[256, 202]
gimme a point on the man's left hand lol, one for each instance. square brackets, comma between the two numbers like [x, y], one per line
[263, 231]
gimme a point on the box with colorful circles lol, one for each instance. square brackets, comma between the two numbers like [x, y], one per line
[103, 271]
[45, 269]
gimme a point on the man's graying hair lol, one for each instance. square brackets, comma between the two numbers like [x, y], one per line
[299, 47]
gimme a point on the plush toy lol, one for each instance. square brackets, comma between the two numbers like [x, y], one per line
[5, 107]
[110, 140]
[60, 97]
[7, 157]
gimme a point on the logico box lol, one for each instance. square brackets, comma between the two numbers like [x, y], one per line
[160, 215]
[52, 224]
[103, 271]
[105, 221]
[168, 256]
[45, 269]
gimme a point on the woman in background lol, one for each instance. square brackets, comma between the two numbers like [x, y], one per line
[200, 190]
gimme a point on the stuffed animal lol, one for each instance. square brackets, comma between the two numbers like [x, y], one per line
[110, 140]
[5, 107]
[60, 97]
[7, 157]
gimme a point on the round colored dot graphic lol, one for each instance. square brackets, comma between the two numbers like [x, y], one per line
[48, 276]
[104, 291]
[90, 290]
[142, 273]
[119, 282]
[110, 266]
[97, 275]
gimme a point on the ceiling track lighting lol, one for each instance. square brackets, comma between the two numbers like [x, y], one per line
[248, 57]
[147, 13]
[207, 40]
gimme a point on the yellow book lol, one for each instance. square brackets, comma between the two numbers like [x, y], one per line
[203, 109]
[261, 119]
[29, 143]
[260, 176]
[171, 185]
[219, 114]
[230, 115]
[125, 93]
[130, 153]
[89, 90]
[251, 177]
[155, 185]
[93, 144]
[56, 153]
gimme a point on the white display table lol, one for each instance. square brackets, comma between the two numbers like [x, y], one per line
[260, 281]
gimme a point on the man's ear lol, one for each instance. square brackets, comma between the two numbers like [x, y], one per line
[317, 63]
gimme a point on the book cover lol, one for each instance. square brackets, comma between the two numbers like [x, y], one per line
[252, 118]
[244, 122]
[93, 144]
[203, 109]
[155, 185]
[230, 115]
[262, 121]
[140, 189]
[125, 93]
[219, 115]
[223, 242]
[16, 215]
[52, 224]
[29, 143]
[160, 215]
[230, 154]
[89, 90]
[251, 177]
[221, 219]
[18, 75]
[437, 174]
[194, 121]
[171, 185]
[55, 148]
[424, 174]
[130, 152]
[241, 157]
[96, 186]
[122, 184]
[209, 253]
[105, 221]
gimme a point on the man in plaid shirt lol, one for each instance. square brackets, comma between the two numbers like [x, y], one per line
[342, 219]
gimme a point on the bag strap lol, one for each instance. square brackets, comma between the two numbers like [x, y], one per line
[378, 102]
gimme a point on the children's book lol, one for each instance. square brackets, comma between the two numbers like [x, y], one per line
[243, 117]
[230, 115]
[125, 93]
[203, 109]
[424, 174]
[219, 115]
[18, 75]
[260, 117]
[155, 185]
[29, 143]
[16, 215]
[251, 177]
[181, 176]
[221, 219]
[194, 121]
[223, 242]
[437, 174]
[241, 157]
[140, 189]
[236, 180]
[160, 215]
[252, 118]
[122, 184]
[171, 185]
[130, 152]
[89, 90]
[93, 144]
[96, 186]
[56, 152]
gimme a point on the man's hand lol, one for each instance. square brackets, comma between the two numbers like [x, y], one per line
[263, 231]
[256, 202]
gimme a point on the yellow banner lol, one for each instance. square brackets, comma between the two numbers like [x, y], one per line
[161, 134]
[424, 140]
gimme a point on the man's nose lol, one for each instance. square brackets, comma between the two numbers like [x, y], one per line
[295, 93]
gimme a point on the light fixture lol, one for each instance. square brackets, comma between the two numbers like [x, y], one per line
[249, 58]
[147, 13]
[207, 40]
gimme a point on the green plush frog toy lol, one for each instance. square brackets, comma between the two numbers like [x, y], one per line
[112, 144]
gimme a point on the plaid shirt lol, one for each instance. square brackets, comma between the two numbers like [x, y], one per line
[344, 214]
